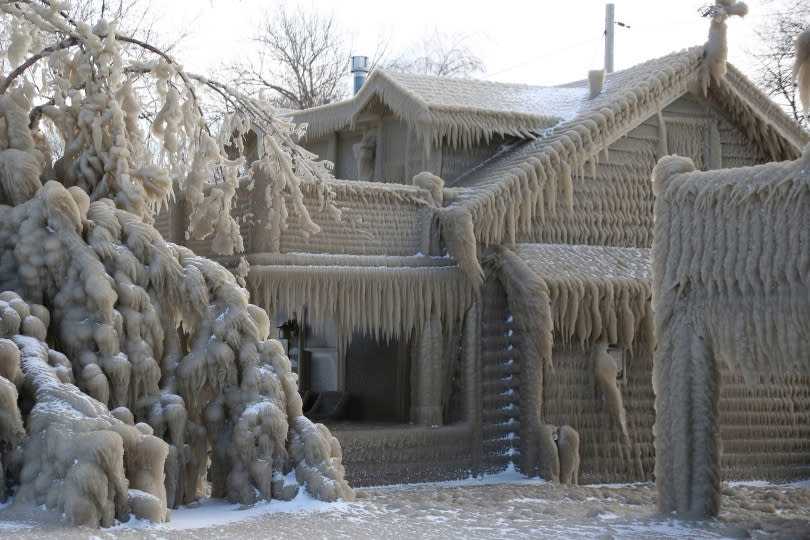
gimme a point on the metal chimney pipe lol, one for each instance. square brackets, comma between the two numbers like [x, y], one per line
[359, 71]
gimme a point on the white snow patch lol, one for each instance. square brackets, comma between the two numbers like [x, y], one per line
[213, 512]
[750, 483]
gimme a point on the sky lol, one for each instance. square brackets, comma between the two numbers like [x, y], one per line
[538, 42]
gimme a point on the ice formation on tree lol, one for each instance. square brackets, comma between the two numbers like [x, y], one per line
[134, 375]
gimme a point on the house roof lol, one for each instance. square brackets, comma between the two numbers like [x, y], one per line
[560, 262]
[504, 194]
[579, 294]
[564, 129]
[463, 111]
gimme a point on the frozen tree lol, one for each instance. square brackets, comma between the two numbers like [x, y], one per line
[776, 50]
[134, 375]
[441, 55]
[302, 58]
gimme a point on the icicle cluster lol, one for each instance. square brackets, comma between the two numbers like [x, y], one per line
[766, 125]
[595, 293]
[389, 300]
[506, 195]
[736, 242]
[457, 113]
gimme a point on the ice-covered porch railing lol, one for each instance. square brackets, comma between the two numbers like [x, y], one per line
[353, 217]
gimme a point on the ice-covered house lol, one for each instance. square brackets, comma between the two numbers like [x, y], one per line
[441, 322]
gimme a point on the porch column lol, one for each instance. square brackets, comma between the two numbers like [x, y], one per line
[426, 374]
[686, 382]
[472, 392]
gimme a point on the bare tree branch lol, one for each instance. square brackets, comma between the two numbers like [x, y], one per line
[776, 49]
[19, 70]
[304, 55]
[440, 55]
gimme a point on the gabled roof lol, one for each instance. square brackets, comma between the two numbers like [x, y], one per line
[461, 110]
[502, 196]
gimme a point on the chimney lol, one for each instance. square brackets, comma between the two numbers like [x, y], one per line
[596, 78]
[359, 71]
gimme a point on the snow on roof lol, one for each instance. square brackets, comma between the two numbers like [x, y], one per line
[628, 97]
[562, 262]
[442, 93]
[462, 111]
[504, 194]
[578, 293]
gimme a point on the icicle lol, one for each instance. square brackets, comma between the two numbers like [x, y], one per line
[458, 233]
[567, 184]
[663, 148]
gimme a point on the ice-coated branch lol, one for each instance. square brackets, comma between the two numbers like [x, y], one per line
[19, 70]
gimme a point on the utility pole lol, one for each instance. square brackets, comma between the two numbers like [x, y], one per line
[609, 26]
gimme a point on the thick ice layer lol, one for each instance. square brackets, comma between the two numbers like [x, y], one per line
[116, 319]
[163, 338]
[731, 267]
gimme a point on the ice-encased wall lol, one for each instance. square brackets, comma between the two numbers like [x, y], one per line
[166, 340]
[731, 275]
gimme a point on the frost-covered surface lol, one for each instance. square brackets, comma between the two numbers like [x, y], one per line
[525, 186]
[731, 267]
[580, 294]
[499, 506]
[460, 111]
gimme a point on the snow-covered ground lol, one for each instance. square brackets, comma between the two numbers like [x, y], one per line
[499, 506]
